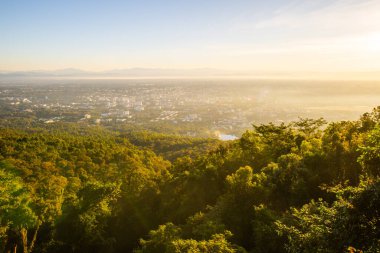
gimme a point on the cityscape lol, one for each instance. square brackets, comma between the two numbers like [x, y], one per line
[209, 108]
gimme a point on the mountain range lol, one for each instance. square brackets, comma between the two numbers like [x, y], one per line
[121, 73]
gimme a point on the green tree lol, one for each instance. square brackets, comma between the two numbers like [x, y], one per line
[167, 239]
[16, 214]
[350, 221]
[83, 226]
[370, 157]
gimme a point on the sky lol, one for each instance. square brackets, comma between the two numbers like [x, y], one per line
[272, 37]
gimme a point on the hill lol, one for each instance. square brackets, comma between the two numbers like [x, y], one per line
[307, 186]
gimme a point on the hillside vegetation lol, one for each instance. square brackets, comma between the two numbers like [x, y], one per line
[307, 186]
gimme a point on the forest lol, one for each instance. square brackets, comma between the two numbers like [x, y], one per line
[304, 186]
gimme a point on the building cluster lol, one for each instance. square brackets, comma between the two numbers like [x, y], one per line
[210, 107]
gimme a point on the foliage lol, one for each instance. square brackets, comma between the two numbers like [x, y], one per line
[299, 187]
[350, 221]
[167, 239]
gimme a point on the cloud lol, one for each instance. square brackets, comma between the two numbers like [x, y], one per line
[339, 17]
[321, 35]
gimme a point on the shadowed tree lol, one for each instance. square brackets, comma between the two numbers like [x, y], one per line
[16, 214]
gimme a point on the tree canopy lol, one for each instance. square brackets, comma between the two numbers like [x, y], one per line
[306, 186]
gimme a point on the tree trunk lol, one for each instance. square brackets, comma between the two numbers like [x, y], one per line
[10, 244]
[31, 246]
[24, 240]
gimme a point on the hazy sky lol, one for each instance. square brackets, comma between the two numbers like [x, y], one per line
[266, 37]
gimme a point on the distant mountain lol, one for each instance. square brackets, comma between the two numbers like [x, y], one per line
[130, 72]
[184, 73]
[45, 73]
